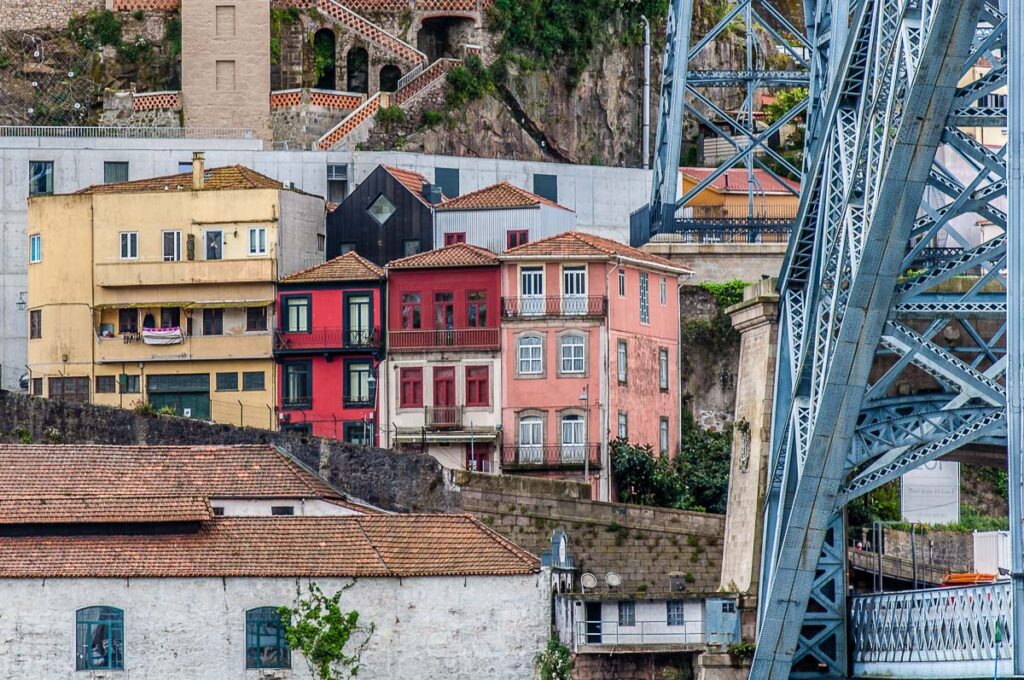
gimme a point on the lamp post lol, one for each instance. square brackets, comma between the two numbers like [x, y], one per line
[371, 383]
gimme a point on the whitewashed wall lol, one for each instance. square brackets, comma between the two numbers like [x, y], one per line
[262, 507]
[453, 628]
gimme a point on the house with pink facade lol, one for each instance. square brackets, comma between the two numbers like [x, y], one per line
[590, 352]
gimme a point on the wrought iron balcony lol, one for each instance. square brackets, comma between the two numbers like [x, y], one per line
[558, 306]
[326, 339]
[455, 338]
[526, 456]
[442, 417]
[300, 402]
[731, 229]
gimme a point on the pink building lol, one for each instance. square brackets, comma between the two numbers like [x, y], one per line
[590, 347]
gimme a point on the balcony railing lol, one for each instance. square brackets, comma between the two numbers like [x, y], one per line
[326, 339]
[297, 402]
[550, 455]
[653, 632]
[456, 338]
[731, 230]
[443, 417]
[565, 305]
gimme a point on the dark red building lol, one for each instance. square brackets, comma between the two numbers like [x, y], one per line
[328, 346]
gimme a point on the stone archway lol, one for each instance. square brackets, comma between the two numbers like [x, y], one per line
[389, 77]
[357, 69]
[324, 61]
[440, 36]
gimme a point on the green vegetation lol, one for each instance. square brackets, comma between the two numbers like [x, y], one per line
[318, 628]
[726, 294]
[96, 28]
[744, 650]
[554, 663]
[883, 505]
[540, 34]
[433, 118]
[279, 18]
[323, 55]
[696, 479]
[173, 34]
[469, 81]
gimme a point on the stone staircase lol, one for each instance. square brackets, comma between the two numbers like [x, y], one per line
[421, 82]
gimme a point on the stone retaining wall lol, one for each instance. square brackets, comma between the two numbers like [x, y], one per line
[27, 14]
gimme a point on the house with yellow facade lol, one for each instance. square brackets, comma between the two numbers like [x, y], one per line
[161, 291]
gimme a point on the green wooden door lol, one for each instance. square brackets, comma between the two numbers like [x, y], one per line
[188, 395]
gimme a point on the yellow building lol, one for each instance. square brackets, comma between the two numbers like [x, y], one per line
[162, 290]
[731, 194]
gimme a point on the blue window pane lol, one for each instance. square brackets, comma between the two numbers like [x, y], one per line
[265, 644]
[40, 178]
[99, 638]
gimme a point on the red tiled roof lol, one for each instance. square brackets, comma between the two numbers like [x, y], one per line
[413, 181]
[458, 255]
[737, 181]
[348, 267]
[580, 245]
[215, 179]
[104, 509]
[350, 546]
[498, 196]
[97, 470]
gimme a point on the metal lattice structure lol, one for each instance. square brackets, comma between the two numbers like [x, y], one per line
[725, 102]
[897, 343]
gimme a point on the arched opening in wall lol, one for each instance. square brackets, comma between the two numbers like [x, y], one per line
[389, 77]
[442, 36]
[324, 71]
[357, 68]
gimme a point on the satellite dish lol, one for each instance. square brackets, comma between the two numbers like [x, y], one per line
[588, 580]
[612, 579]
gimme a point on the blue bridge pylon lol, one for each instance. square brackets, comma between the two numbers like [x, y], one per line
[901, 291]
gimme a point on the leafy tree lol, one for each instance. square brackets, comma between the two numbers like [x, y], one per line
[319, 629]
[644, 479]
[702, 465]
[785, 100]
[554, 662]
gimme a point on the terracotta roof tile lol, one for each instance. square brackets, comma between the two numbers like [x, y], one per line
[578, 244]
[411, 180]
[348, 267]
[367, 546]
[216, 179]
[104, 509]
[458, 255]
[498, 196]
[737, 181]
[77, 470]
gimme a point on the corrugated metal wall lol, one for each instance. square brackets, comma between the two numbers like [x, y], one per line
[488, 228]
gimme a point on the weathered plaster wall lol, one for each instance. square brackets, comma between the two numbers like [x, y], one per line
[451, 627]
[634, 666]
[720, 262]
[710, 355]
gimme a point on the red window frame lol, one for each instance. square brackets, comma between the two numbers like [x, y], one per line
[478, 385]
[411, 310]
[453, 237]
[411, 384]
[516, 237]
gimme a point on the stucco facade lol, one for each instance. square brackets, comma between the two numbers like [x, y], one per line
[441, 627]
[108, 267]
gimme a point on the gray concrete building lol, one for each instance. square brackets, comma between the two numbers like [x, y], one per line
[68, 159]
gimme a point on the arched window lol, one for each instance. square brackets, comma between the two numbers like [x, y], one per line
[531, 440]
[265, 645]
[574, 439]
[389, 77]
[357, 66]
[99, 638]
[530, 356]
[323, 59]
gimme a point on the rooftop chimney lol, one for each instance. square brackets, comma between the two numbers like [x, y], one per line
[432, 192]
[198, 171]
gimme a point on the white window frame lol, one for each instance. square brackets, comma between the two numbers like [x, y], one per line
[35, 248]
[645, 299]
[622, 360]
[129, 245]
[531, 439]
[623, 425]
[663, 372]
[532, 304]
[664, 291]
[622, 282]
[627, 614]
[573, 342]
[663, 435]
[530, 355]
[574, 302]
[258, 246]
[176, 255]
[572, 430]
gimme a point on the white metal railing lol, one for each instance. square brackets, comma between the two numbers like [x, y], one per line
[611, 632]
[72, 131]
[411, 75]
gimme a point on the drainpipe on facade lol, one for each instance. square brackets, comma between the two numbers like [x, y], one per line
[604, 387]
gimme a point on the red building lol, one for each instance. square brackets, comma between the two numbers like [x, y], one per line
[328, 346]
[442, 378]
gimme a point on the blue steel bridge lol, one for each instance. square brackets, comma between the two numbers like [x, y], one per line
[903, 265]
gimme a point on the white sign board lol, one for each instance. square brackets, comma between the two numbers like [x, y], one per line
[931, 494]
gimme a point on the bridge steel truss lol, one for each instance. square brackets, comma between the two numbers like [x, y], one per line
[893, 166]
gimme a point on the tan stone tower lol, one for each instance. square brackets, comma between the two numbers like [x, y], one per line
[225, 64]
[756, 319]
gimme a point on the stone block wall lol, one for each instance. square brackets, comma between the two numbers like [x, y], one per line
[651, 666]
[121, 109]
[641, 544]
[27, 14]
[953, 550]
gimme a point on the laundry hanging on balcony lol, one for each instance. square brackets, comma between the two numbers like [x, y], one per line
[163, 336]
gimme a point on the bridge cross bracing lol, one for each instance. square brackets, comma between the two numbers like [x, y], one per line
[908, 147]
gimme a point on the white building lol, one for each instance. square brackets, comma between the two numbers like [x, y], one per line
[137, 562]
